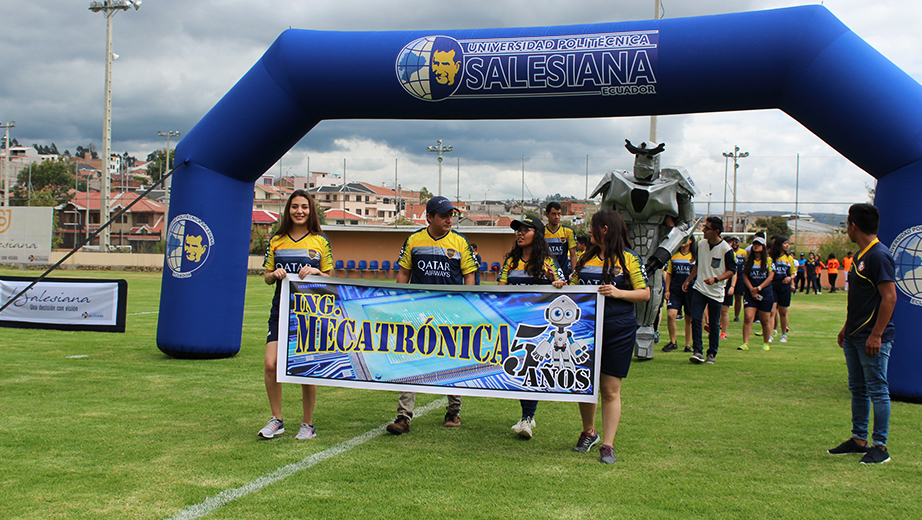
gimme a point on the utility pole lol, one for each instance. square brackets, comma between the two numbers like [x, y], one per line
[108, 8]
[736, 155]
[440, 150]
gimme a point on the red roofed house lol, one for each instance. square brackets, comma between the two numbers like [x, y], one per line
[141, 227]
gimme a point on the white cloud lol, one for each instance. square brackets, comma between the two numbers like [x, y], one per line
[179, 58]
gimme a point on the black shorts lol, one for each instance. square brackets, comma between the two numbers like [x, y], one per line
[619, 334]
[728, 296]
[763, 305]
[782, 294]
[273, 333]
[741, 287]
[678, 299]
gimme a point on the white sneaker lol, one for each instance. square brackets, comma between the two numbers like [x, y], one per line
[771, 338]
[274, 427]
[524, 430]
[784, 338]
[306, 431]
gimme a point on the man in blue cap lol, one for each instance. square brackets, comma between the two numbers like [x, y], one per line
[434, 255]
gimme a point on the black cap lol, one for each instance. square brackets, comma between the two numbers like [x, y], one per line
[439, 204]
[528, 221]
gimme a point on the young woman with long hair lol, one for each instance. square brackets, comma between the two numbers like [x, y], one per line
[782, 284]
[297, 247]
[757, 276]
[529, 262]
[618, 271]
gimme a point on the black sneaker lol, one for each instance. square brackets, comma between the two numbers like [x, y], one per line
[671, 346]
[688, 349]
[697, 358]
[607, 455]
[875, 455]
[586, 441]
[849, 446]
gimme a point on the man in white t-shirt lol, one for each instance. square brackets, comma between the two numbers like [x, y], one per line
[715, 265]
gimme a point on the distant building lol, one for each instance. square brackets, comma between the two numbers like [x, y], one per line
[141, 227]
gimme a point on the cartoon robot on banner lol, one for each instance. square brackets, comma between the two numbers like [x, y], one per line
[660, 215]
[556, 349]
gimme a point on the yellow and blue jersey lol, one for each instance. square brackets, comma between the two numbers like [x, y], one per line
[740, 255]
[560, 243]
[437, 261]
[291, 255]
[784, 266]
[679, 266]
[758, 273]
[517, 275]
[628, 277]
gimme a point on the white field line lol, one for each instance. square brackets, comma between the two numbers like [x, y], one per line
[227, 496]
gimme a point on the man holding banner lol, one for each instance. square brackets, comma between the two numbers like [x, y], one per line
[434, 255]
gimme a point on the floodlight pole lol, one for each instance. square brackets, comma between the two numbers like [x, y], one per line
[736, 155]
[166, 167]
[440, 150]
[7, 165]
[108, 8]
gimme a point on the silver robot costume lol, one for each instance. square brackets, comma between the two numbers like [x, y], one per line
[658, 209]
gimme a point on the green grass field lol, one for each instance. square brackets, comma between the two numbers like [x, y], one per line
[127, 432]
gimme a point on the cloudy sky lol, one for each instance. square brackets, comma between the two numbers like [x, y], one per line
[178, 58]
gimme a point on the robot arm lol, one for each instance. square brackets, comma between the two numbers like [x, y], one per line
[676, 237]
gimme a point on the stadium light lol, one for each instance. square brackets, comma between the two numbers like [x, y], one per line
[736, 155]
[440, 150]
[166, 169]
[108, 8]
[7, 165]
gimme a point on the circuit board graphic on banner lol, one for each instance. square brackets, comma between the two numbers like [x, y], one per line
[514, 342]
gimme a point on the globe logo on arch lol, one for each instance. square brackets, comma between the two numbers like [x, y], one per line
[431, 68]
[189, 243]
[906, 250]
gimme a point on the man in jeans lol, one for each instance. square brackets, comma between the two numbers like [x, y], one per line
[434, 255]
[867, 337]
[715, 265]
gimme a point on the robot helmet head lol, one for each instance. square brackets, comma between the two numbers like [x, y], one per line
[562, 312]
[646, 160]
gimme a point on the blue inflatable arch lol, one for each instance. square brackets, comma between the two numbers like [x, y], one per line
[801, 60]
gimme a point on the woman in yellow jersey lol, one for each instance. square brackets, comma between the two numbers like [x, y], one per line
[782, 284]
[619, 273]
[297, 247]
[529, 263]
[757, 276]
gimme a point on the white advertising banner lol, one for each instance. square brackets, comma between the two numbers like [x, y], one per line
[25, 235]
[64, 304]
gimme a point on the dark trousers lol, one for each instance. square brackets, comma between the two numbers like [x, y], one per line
[699, 303]
[832, 281]
[800, 282]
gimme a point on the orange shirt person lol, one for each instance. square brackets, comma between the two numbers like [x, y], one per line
[832, 271]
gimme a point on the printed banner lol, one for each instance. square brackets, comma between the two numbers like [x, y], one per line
[64, 304]
[25, 235]
[436, 67]
[519, 342]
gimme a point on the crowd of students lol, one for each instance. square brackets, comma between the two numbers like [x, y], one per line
[713, 274]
